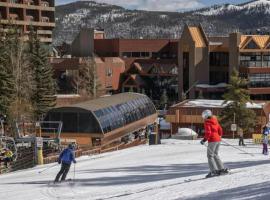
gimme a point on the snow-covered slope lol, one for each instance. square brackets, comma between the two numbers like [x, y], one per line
[173, 170]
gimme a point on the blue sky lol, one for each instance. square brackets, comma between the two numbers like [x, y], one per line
[166, 5]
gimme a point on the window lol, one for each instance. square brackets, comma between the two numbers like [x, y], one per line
[252, 45]
[126, 54]
[109, 72]
[70, 122]
[135, 54]
[219, 59]
[259, 80]
[251, 60]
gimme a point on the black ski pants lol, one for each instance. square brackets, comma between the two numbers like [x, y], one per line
[63, 172]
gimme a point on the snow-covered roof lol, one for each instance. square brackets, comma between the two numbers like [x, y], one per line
[220, 85]
[207, 103]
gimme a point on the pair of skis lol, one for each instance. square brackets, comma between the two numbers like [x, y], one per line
[203, 178]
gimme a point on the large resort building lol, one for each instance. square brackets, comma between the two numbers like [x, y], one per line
[25, 14]
[205, 63]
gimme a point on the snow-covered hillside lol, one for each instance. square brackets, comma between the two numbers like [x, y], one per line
[119, 22]
[260, 6]
[173, 170]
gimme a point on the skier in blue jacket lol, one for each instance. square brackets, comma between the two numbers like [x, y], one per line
[66, 158]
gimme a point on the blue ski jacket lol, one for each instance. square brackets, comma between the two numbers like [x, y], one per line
[67, 156]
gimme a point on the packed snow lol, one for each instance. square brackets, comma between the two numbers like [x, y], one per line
[173, 170]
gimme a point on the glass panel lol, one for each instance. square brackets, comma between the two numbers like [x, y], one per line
[70, 122]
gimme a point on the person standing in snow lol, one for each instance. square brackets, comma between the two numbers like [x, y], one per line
[213, 134]
[240, 133]
[66, 158]
[265, 134]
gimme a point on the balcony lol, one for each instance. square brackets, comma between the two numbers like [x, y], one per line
[45, 4]
[13, 16]
[45, 19]
[28, 2]
[29, 18]
[14, 1]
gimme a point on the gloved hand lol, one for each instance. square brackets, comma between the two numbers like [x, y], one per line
[59, 161]
[75, 161]
[203, 141]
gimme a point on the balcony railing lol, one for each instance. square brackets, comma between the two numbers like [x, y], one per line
[254, 63]
[45, 19]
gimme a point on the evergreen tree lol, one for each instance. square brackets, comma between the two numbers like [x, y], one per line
[6, 82]
[235, 99]
[164, 99]
[43, 98]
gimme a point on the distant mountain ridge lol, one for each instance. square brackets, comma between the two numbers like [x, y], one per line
[118, 22]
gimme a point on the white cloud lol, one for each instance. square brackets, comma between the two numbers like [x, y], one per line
[156, 5]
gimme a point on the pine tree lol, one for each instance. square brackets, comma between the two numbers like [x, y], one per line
[6, 86]
[235, 99]
[164, 99]
[6, 79]
[43, 98]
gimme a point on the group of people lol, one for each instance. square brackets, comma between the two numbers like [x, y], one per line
[6, 156]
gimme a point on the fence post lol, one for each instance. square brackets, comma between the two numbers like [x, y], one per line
[39, 145]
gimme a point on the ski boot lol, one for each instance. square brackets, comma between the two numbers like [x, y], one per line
[223, 171]
[212, 174]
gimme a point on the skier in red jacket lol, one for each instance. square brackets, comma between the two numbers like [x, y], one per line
[213, 134]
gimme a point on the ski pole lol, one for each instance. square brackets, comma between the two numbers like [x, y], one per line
[47, 168]
[74, 173]
[238, 148]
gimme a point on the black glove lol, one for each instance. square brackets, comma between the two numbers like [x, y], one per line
[203, 141]
[59, 161]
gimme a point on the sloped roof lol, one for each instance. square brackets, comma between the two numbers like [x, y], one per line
[197, 36]
[261, 40]
[146, 65]
[107, 101]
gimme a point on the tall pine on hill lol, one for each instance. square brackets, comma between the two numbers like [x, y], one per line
[236, 98]
[43, 98]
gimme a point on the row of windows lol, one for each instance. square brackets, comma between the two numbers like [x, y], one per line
[255, 64]
[219, 59]
[117, 116]
[148, 54]
[72, 122]
[254, 60]
[136, 54]
[259, 80]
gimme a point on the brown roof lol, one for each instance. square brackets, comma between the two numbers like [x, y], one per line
[197, 36]
[144, 66]
[65, 63]
[107, 101]
[261, 40]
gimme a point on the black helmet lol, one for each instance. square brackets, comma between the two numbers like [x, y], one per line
[70, 146]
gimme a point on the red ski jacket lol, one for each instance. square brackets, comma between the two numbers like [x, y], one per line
[213, 131]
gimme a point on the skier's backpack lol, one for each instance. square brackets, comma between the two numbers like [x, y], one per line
[266, 131]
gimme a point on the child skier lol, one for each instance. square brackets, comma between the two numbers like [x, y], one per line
[265, 133]
[66, 158]
[213, 134]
